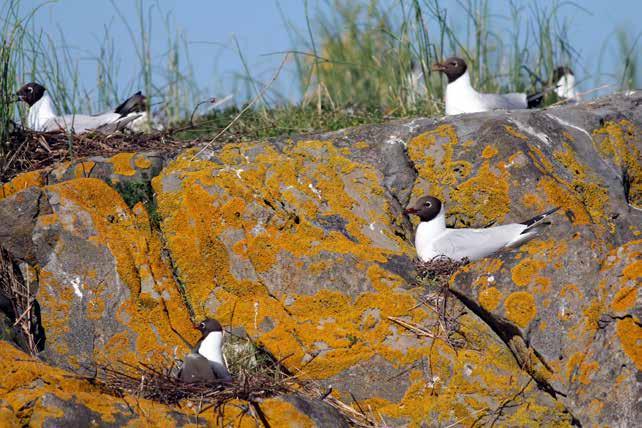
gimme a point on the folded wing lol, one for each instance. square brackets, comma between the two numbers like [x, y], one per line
[475, 244]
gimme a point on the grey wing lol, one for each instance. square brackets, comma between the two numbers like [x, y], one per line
[82, 122]
[221, 372]
[475, 244]
[196, 368]
[513, 101]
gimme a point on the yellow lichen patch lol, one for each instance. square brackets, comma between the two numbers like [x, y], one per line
[280, 413]
[568, 136]
[24, 381]
[533, 201]
[489, 151]
[141, 161]
[490, 298]
[361, 145]
[122, 163]
[624, 299]
[630, 334]
[520, 308]
[526, 271]
[83, 169]
[633, 271]
[99, 211]
[438, 170]
[617, 140]
[515, 133]
[586, 370]
[21, 182]
[483, 197]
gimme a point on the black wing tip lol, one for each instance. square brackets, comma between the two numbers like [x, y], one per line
[534, 100]
[135, 104]
[538, 218]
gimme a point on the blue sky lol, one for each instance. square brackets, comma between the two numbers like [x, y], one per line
[211, 26]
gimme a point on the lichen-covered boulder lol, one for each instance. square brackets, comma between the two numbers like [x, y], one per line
[305, 247]
[96, 269]
[301, 243]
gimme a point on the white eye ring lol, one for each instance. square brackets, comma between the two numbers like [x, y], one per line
[30, 89]
[428, 204]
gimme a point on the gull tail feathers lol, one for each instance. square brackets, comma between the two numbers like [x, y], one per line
[532, 228]
[135, 104]
[537, 220]
[534, 100]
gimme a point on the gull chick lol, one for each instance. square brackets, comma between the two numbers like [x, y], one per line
[434, 239]
[461, 97]
[205, 362]
[43, 117]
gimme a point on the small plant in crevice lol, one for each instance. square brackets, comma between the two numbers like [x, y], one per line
[19, 305]
[134, 192]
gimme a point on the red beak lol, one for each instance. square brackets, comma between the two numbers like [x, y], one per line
[410, 211]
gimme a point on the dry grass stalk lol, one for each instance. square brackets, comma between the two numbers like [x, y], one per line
[19, 293]
[32, 150]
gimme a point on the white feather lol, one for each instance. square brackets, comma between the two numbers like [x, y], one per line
[461, 97]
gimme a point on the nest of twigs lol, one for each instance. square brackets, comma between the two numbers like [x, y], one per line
[438, 270]
[267, 378]
[434, 275]
[28, 150]
[163, 385]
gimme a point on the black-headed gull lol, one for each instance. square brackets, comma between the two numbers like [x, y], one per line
[205, 363]
[43, 116]
[461, 97]
[434, 239]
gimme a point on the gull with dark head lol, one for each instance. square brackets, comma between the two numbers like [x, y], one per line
[43, 116]
[205, 362]
[434, 239]
[461, 97]
[564, 81]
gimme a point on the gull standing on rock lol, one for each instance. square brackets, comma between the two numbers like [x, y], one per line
[205, 362]
[434, 239]
[43, 116]
[461, 97]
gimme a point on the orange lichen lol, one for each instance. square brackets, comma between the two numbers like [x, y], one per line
[137, 251]
[526, 271]
[618, 141]
[624, 299]
[633, 271]
[630, 334]
[490, 298]
[83, 169]
[142, 162]
[489, 151]
[21, 182]
[520, 308]
[25, 381]
[515, 133]
[122, 163]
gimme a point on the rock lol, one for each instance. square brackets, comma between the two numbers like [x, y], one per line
[104, 290]
[302, 244]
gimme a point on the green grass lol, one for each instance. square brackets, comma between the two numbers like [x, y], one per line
[352, 59]
[134, 192]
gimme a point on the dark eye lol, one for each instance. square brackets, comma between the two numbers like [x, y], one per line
[453, 64]
[428, 204]
[30, 89]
